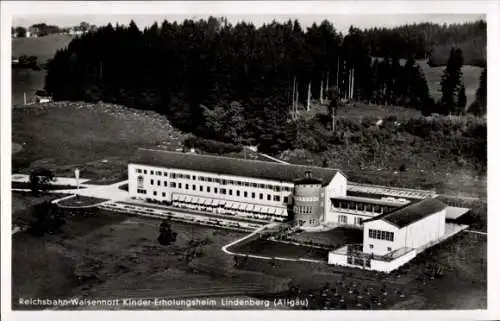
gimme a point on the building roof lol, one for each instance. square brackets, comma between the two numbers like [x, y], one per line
[231, 166]
[308, 181]
[411, 213]
[367, 200]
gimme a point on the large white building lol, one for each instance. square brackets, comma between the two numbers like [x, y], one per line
[396, 237]
[227, 185]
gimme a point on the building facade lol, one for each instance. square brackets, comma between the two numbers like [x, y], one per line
[394, 238]
[263, 190]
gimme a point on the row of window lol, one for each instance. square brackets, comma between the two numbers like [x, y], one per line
[223, 191]
[275, 188]
[381, 235]
[311, 221]
[303, 209]
[352, 205]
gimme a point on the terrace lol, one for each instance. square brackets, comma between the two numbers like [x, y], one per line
[352, 255]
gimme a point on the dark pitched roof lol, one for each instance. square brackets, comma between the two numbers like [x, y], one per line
[411, 213]
[231, 166]
[307, 181]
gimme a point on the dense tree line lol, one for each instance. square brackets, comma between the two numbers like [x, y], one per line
[237, 84]
[432, 41]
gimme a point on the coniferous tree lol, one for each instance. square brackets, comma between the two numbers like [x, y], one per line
[451, 83]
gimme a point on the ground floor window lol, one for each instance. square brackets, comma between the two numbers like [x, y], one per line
[342, 219]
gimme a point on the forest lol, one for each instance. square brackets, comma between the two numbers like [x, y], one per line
[239, 84]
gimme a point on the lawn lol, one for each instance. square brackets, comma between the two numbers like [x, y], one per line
[433, 75]
[115, 256]
[336, 237]
[279, 249]
[43, 47]
[97, 138]
[80, 201]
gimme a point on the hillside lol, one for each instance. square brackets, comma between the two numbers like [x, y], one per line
[98, 138]
[433, 76]
[43, 47]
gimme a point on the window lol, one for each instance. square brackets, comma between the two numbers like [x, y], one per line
[285, 199]
[154, 193]
[358, 220]
[208, 189]
[201, 188]
[371, 246]
[381, 235]
[253, 194]
[151, 172]
[179, 185]
[224, 182]
[268, 197]
[165, 183]
[261, 185]
[163, 194]
[158, 183]
[269, 186]
[172, 175]
[261, 196]
[239, 183]
[194, 187]
[158, 173]
[230, 192]
[209, 179]
[172, 184]
[186, 186]
[237, 193]
[247, 184]
[194, 177]
[245, 194]
[349, 260]
[389, 249]
[165, 174]
[152, 182]
[276, 198]
[342, 219]
[138, 170]
[215, 190]
[141, 191]
[187, 176]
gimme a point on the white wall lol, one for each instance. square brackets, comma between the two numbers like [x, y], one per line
[375, 265]
[169, 191]
[336, 187]
[425, 230]
[380, 247]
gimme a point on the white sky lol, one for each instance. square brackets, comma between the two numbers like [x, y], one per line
[341, 22]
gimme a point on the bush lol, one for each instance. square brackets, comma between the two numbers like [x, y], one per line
[211, 146]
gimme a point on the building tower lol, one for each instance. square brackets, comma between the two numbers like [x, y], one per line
[307, 208]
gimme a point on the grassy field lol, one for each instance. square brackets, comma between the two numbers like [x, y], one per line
[335, 238]
[99, 139]
[111, 255]
[433, 75]
[43, 47]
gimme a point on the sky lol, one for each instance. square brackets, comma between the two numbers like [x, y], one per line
[341, 22]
